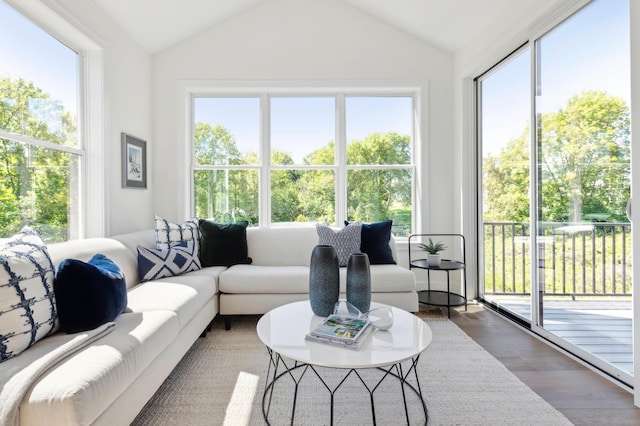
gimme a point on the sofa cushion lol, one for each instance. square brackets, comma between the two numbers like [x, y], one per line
[374, 242]
[27, 303]
[89, 294]
[86, 248]
[275, 246]
[185, 295]
[254, 279]
[79, 388]
[223, 244]
[346, 240]
[132, 240]
[265, 279]
[159, 263]
[169, 234]
[391, 279]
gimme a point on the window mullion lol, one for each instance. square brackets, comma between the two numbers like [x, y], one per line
[264, 208]
[341, 160]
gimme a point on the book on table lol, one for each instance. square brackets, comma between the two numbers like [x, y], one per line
[340, 330]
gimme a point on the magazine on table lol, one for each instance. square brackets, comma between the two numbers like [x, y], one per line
[340, 330]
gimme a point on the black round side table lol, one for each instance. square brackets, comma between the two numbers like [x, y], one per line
[440, 297]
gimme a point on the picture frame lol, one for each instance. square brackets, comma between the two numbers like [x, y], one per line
[134, 162]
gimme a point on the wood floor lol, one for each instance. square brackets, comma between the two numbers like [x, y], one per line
[583, 396]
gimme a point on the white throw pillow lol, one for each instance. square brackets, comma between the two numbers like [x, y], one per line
[27, 303]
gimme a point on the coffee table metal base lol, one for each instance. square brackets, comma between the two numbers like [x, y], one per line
[279, 367]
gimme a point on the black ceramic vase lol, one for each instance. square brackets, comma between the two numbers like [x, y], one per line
[324, 280]
[359, 282]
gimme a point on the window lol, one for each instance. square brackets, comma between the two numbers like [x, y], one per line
[226, 159]
[275, 159]
[40, 149]
[379, 160]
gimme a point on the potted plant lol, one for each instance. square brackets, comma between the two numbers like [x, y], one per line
[433, 252]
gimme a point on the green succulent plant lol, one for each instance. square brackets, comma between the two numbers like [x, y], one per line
[433, 248]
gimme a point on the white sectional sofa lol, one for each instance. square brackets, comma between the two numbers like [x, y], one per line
[109, 380]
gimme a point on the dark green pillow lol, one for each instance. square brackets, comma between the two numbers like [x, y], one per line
[223, 244]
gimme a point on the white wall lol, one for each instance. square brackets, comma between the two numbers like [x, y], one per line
[127, 108]
[302, 40]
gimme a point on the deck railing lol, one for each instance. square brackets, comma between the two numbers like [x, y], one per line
[583, 259]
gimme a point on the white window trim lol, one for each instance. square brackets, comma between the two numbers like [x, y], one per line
[189, 89]
[92, 220]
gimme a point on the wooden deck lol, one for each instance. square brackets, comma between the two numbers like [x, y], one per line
[602, 327]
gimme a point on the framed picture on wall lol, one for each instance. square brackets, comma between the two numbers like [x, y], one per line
[134, 162]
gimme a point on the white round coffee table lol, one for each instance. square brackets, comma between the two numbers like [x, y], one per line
[283, 332]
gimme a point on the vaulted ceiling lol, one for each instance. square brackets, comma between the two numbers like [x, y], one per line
[448, 24]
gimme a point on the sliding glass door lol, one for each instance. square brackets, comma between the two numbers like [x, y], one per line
[505, 113]
[556, 239]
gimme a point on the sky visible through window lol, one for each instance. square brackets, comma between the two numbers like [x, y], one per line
[300, 125]
[30, 53]
[600, 30]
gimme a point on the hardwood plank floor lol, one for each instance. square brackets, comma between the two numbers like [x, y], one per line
[582, 395]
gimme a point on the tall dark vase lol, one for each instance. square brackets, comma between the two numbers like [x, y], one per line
[324, 280]
[359, 282]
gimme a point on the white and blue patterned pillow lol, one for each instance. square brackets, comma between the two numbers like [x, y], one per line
[159, 263]
[346, 241]
[27, 303]
[169, 234]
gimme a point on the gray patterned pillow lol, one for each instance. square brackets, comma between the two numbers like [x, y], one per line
[27, 303]
[346, 241]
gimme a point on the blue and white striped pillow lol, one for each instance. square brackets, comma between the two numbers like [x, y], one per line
[159, 263]
[27, 302]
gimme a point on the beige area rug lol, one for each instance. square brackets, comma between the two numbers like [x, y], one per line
[220, 381]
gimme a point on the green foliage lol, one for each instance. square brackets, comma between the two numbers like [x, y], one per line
[433, 247]
[506, 182]
[374, 192]
[302, 194]
[584, 165]
[589, 264]
[586, 158]
[226, 195]
[34, 182]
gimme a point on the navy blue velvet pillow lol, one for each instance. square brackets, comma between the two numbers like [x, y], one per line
[89, 294]
[374, 241]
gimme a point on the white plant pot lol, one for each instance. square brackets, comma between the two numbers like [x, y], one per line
[433, 259]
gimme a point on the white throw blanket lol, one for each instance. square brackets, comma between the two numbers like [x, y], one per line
[18, 374]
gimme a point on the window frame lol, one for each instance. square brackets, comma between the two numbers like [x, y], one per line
[90, 213]
[189, 90]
